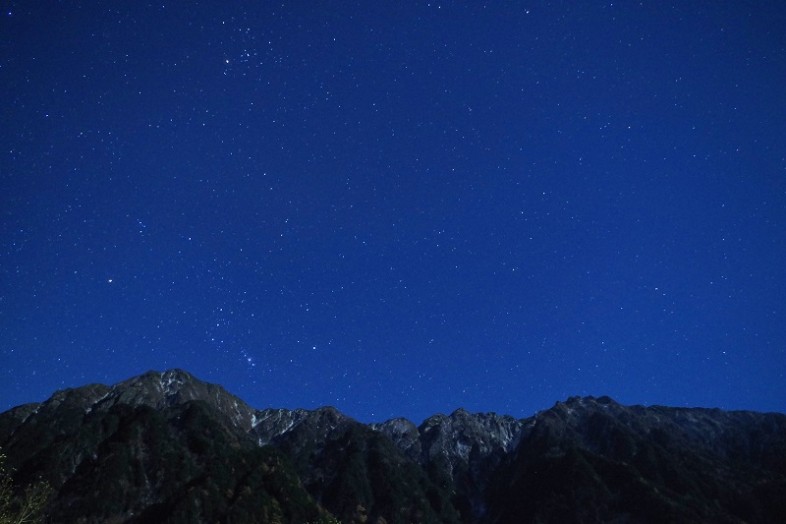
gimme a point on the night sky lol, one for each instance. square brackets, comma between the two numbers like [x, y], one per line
[397, 208]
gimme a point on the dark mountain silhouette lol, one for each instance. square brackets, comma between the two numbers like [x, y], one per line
[167, 447]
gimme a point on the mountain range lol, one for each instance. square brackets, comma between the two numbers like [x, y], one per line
[167, 447]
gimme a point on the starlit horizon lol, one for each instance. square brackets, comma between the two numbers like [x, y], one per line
[397, 209]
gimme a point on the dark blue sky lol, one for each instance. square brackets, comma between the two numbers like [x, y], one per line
[397, 208]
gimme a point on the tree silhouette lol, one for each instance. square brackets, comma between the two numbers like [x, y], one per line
[26, 508]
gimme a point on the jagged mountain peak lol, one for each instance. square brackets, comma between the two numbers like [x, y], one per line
[156, 388]
[467, 467]
[499, 430]
[605, 426]
[166, 378]
[404, 434]
[575, 406]
[170, 379]
[162, 389]
[396, 426]
[586, 402]
[460, 412]
[269, 425]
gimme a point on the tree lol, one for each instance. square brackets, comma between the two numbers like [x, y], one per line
[25, 509]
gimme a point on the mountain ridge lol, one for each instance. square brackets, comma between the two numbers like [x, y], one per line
[585, 459]
[172, 373]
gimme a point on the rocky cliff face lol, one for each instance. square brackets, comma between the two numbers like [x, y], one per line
[461, 450]
[167, 447]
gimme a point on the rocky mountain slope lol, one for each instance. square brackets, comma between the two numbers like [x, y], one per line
[167, 447]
